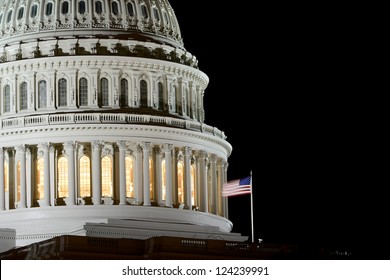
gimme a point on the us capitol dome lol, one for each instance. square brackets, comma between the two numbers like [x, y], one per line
[102, 126]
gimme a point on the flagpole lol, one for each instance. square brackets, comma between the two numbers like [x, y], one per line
[253, 230]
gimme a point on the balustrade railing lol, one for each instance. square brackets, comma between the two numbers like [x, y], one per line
[59, 119]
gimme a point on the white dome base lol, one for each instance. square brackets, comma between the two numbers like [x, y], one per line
[41, 223]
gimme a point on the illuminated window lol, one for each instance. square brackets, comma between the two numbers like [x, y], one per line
[23, 96]
[151, 181]
[115, 8]
[98, 7]
[34, 11]
[18, 181]
[49, 8]
[62, 96]
[62, 177]
[144, 11]
[65, 8]
[83, 90]
[160, 96]
[6, 176]
[130, 9]
[40, 179]
[129, 177]
[7, 99]
[104, 92]
[106, 177]
[42, 94]
[124, 92]
[180, 181]
[82, 7]
[164, 181]
[20, 13]
[144, 93]
[193, 184]
[85, 176]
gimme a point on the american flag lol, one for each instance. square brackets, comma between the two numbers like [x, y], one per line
[237, 187]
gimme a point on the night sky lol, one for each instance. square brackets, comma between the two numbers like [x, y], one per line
[292, 124]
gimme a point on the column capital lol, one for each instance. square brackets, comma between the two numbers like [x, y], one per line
[70, 146]
[2, 150]
[187, 151]
[213, 158]
[97, 145]
[44, 146]
[122, 145]
[202, 154]
[167, 148]
[145, 146]
[21, 149]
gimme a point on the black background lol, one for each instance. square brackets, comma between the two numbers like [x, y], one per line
[282, 96]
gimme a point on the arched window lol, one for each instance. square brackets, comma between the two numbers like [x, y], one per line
[106, 176]
[83, 91]
[18, 182]
[23, 96]
[115, 8]
[62, 173]
[163, 181]
[85, 176]
[49, 8]
[165, 17]
[99, 7]
[180, 181]
[9, 17]
[156, 15]
[65, 8]
[40, 179]
[130, 9]
[129, 177]
[42, 94]
[104, 92]
[62, 93]
[144, 93]
[20, 13]
[34, 11]
[144, 11]
[151, 181]
[124, 93]
[82, 7]
[188, 102]
[193, 173]
[7, 99]
[160, 96]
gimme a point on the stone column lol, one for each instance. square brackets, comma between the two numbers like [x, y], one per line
[122, 172]
[2, 185]
[187, 178]
[220, 182]
[146, 150]
[96, 172]
[138, 176]
[225, 199]
[22, 155]
[213, 186]
[70, 151]
[52, 164]
[28, 178]
[204, 204]
[158, 178]
[168, 174]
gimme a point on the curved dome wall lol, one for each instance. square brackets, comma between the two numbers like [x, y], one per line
[101, 105]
